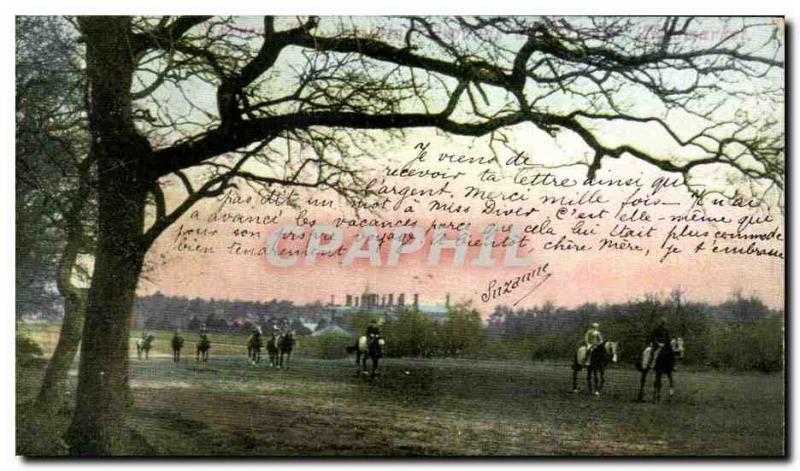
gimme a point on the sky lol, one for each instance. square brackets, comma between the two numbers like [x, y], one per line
[576, 277]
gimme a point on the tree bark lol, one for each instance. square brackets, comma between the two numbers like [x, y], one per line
[122, 185]
[52, 394]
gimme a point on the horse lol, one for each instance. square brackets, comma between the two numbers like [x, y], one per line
[143, 345]
[662, 364]
[274, 349]
[599, 358]
[254, 345]
[285, 346]
[203, 346]
[177, 345]
[368, 347]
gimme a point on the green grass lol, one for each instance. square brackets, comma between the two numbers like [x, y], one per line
[439, 407]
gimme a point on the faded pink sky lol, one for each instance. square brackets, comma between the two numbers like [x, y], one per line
[576, 277]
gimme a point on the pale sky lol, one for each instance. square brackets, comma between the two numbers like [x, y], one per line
[576, 277]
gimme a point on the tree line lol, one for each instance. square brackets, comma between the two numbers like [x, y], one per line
[741, 333]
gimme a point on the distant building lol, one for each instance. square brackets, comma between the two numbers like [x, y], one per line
[386, 305]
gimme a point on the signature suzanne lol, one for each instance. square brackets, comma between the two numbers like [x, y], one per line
[497, 289]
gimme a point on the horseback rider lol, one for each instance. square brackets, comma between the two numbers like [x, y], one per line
[373, 330]
[660, 339]
[592, 339]
[177, 345]
[177, 339]
[203, 334]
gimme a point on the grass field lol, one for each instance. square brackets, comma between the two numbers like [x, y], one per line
[421, 407]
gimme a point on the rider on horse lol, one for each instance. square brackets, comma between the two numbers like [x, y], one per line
[373, 329]
[592, 339]
[660, 339]
[203, 335]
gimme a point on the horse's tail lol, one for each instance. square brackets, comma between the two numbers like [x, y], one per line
[638, 365]
[352, 348]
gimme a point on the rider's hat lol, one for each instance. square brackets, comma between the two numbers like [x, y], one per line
[595, 325]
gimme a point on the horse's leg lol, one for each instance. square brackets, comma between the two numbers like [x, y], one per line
[288, 357]
[642, 384]
[602, 377]
[671, 385]
[589, 379]
[374, 365]
[575, 369]
[657, 387]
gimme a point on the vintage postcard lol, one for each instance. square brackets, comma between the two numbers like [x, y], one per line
[400, 236]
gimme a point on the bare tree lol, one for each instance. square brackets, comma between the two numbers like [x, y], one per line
[54, 172]
[330, 84]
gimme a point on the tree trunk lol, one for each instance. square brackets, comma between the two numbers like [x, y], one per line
[52, 394]
[122, 185]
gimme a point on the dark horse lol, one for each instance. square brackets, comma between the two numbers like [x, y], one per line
[601, 356]
[203, 346]
[662, 364]
[254, 345]
[177, 345]
[143, 345]
[368, 347]
[285, 346]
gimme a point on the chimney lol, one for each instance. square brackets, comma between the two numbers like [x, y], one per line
[391, 299]
[332, 303]
[401, 299]
[348, 299]
[447, 301]
[356, 300]
[416, 300]
[383, 300]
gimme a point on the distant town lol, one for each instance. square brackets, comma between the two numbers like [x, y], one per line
[159, 311]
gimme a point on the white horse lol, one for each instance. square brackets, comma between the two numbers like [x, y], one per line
[143, 345]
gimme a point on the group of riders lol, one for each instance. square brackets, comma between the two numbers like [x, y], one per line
[658, 355]
[659, 342]
[281, 334]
